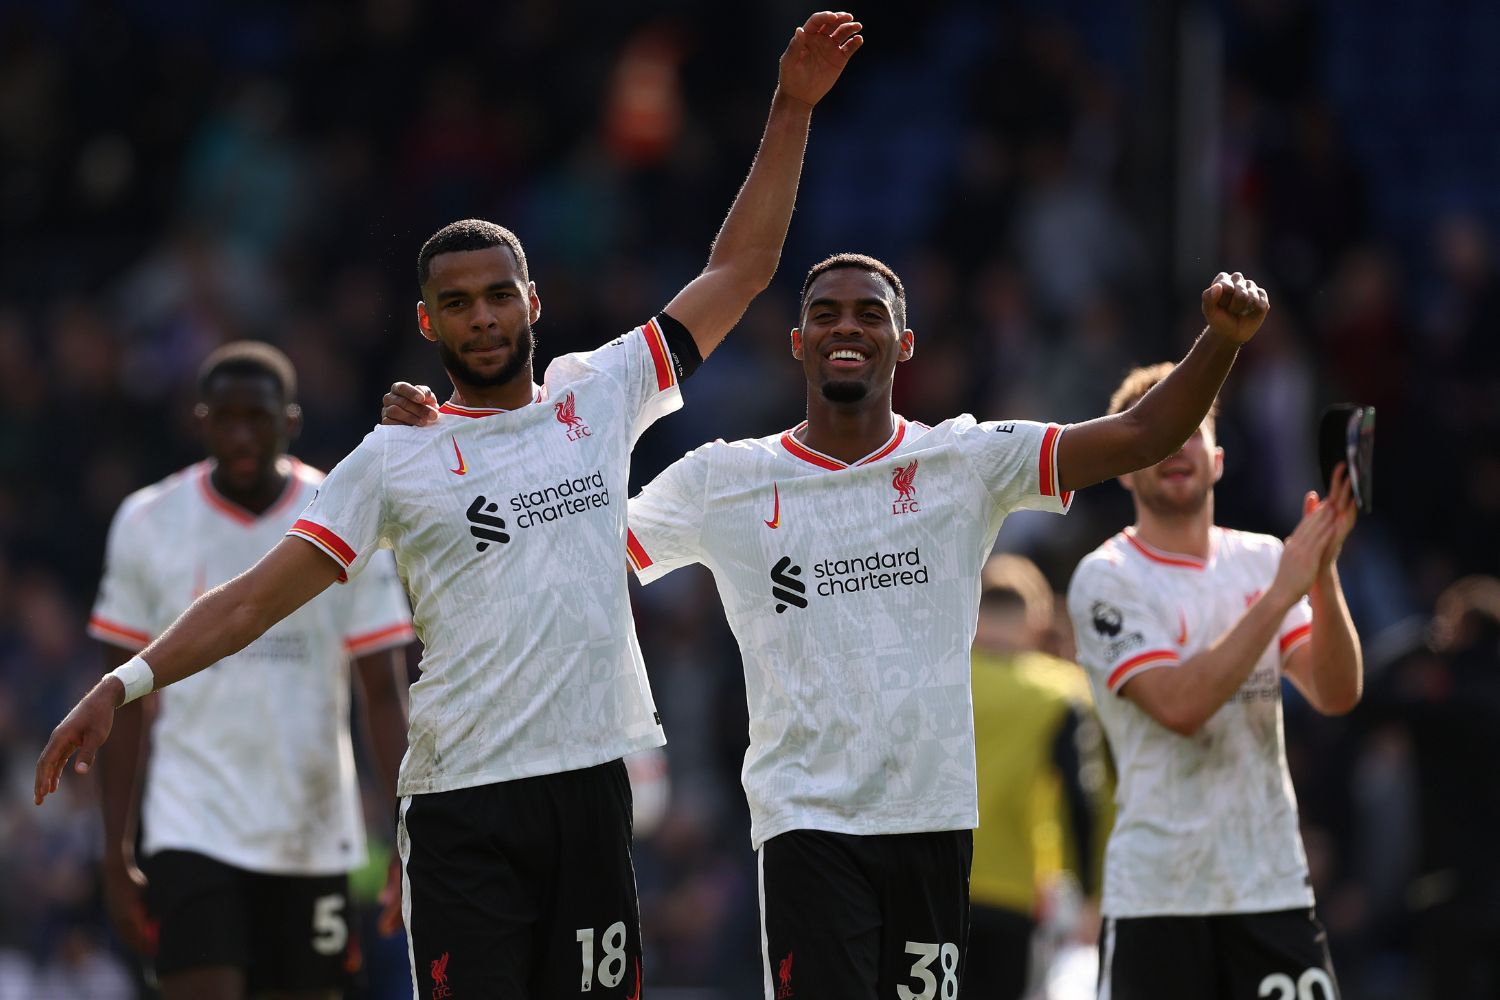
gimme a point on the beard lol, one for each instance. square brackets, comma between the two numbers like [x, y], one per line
[1168, 507]
[844, 392]
[462, 371]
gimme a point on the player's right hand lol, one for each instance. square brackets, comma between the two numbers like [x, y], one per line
[1302, 556]
[125, 900]
[409, 405]
[1235, 306]
[84, 730]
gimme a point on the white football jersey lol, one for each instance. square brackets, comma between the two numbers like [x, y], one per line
[509, 530]
[853, 592]
[250, 761]
[1205, 824]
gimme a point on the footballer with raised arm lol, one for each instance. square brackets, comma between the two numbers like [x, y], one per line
[847, 553]
[1186, 630]
[508, 524]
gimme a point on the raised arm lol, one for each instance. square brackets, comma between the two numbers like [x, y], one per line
[748, 247]
[221, 622]
[1165, 417]
[1329, 668]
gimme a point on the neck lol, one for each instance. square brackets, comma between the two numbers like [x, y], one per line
[848, 431]
[1186, 534]
[259, 498]
[510, 395]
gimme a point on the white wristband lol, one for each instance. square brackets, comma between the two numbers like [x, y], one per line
[135, 673]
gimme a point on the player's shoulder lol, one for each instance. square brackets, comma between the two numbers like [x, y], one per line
[1235, 544]
[965, 427]
[308, 475]
[163, 497]
[1109, 565]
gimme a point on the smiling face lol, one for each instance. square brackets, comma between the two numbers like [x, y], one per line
[479, 310]
[850, 342]
[1180, 484]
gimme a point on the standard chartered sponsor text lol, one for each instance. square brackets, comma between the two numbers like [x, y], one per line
[571, 496]
[872, 572]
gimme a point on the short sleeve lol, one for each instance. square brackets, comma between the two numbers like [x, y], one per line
[123, 612]
[1119, 634]
[1296, 628]
[1017, 461]
[644, 364]
[380, 617]
[346, 519]
[666, 519]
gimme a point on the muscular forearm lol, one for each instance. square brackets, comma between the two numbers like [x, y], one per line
[749, 244]
[1184, 698]
[1335, 674]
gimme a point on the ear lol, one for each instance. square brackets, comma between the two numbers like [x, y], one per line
[1127, 482]
[533, 301]
[797, 344]
[908, 345]
[200, 417]
[293, 421]
[1218, 464]
[424, 322]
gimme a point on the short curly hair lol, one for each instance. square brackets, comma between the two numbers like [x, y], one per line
[468, 234]
[858, 262]
[249, 357]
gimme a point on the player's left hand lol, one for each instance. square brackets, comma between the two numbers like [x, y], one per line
[389, 921]
[818, 53]
[85, 729]
[409, 405]
[1345, 511]
[1235, 306]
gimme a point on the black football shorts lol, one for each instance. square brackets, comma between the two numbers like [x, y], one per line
[523, 889]
[288, 932]
[847, 917]
[1282, 955]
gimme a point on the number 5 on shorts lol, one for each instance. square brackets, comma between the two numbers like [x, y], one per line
[926, 955]
[330, 932]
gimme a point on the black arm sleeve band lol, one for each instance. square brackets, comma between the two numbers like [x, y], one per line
[680, 342]
[1069, 764]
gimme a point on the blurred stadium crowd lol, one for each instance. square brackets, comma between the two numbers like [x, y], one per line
[175, 175]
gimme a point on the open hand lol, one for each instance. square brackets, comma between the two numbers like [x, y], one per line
[409, 405]
[85, 729]
[1235, 306]
[1302, 557]
[818, 53]
[1345, 512]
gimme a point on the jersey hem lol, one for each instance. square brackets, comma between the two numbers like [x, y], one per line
[762, 832]
[251, 862]
[494, 776]
[1301, 902]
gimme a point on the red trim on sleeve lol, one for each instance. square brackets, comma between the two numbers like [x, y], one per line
[399, 634]
[636, 551]
[325, 540]
[1295, 636]
[1047, 468]
[114, 630]
[665, 375]
[1152, 657]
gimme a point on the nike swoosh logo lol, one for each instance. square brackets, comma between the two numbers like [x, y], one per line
[1181, 629]
[775, 521]
[637, 994]
[462, 468]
